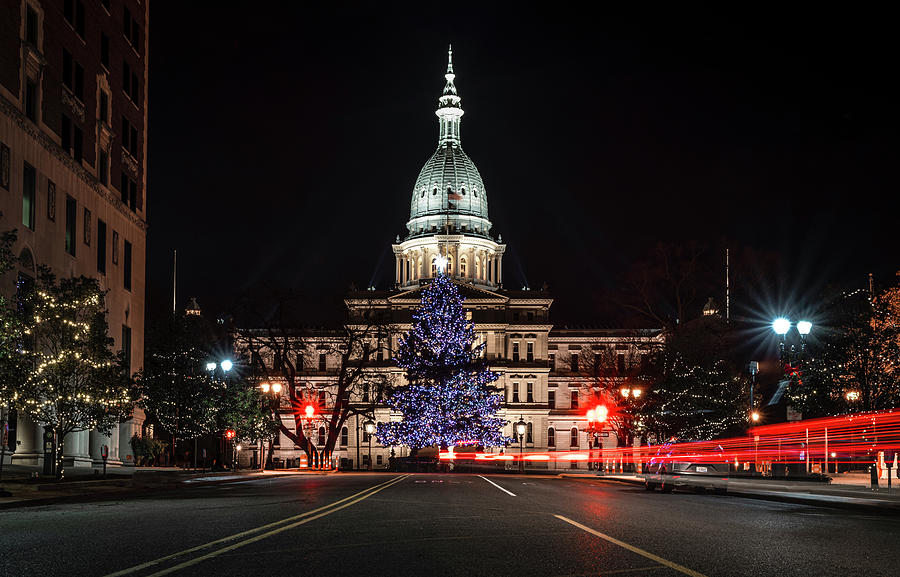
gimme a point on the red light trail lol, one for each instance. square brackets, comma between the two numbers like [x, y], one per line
[857, 437]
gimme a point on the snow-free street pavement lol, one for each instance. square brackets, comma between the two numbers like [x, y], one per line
[382, 524]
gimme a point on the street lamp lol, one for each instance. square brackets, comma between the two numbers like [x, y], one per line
[521, 428]
[273, 391]
[226, 365]
[369, 428]
[596, 417]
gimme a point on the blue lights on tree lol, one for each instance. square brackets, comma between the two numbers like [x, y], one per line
[449, 399]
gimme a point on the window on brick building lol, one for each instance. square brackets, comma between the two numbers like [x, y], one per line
[515, 352]
[574, 398]
[29, 186]
[529, 352]
[529, 393]
[31, 98]
[31, 26]
[551, 437]
[573, 437]
[515, 392]
[70, 225]
[322, 364]
[551, 399]
[101, 246]
[127, 265]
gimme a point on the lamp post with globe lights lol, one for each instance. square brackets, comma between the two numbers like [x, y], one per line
[226, 365]
[272, 391]
[521, 428]
[596, 418]
[369, 427]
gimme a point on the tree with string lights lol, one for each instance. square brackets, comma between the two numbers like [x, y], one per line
[449, 399]
[74, 381]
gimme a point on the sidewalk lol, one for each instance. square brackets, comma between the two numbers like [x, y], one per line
[87, 483]
[846, 490]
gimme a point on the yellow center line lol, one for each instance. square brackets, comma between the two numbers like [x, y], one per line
[370, 491]
[647, 554]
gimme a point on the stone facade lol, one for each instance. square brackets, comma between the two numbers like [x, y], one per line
[547, 374]
[73, 140]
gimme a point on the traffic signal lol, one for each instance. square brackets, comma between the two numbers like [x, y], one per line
[229, 434]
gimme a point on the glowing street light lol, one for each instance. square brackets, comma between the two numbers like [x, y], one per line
[226, 365]
[210, 366]
[521, 429]
[369, 427]
[781, 326]
[803, 327]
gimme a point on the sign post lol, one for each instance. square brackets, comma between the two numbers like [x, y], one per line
[49, 444]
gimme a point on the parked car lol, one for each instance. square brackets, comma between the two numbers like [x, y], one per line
[673, 468]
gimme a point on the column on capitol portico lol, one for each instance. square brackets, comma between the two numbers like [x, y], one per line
[29, 442]
[75, 449]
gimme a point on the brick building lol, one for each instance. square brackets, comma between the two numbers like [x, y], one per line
[73, 169]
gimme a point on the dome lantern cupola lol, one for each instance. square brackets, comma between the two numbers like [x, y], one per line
[448, 216]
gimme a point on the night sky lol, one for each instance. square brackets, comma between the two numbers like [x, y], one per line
[284, 142]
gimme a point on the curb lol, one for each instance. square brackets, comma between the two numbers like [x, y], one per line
[128, 487]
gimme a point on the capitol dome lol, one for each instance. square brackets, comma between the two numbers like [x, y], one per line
[449, 196]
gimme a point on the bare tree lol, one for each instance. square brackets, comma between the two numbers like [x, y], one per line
[353, 379]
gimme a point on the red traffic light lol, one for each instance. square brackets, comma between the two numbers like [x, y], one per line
[598, 414]
[229, 434]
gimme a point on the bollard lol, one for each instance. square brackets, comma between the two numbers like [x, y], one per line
[873, 475]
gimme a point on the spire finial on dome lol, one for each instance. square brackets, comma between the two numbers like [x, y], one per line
[450, 111]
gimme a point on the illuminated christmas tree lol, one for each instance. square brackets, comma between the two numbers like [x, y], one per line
[449, 399]
[76, 382]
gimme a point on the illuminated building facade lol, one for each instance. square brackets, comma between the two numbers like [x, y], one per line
[547, 374]
[73, 166]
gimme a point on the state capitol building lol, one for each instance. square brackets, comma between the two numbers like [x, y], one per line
[547, 374]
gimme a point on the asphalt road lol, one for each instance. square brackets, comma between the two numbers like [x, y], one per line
[433, 525]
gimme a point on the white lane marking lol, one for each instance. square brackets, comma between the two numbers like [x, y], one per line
[498, 486]
[632, 548]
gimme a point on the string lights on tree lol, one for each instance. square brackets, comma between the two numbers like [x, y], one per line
[449, 399]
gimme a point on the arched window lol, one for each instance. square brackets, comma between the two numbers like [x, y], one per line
[423, 193]
[434, 192]
[464, 192]
[408, 265]
[477, 268]
[475, 191]
[462, 266]
[321, 439]
[529, 433]
[449, 191]
[573, 442]
[489, 269]
[551, 437]
[345, 434]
